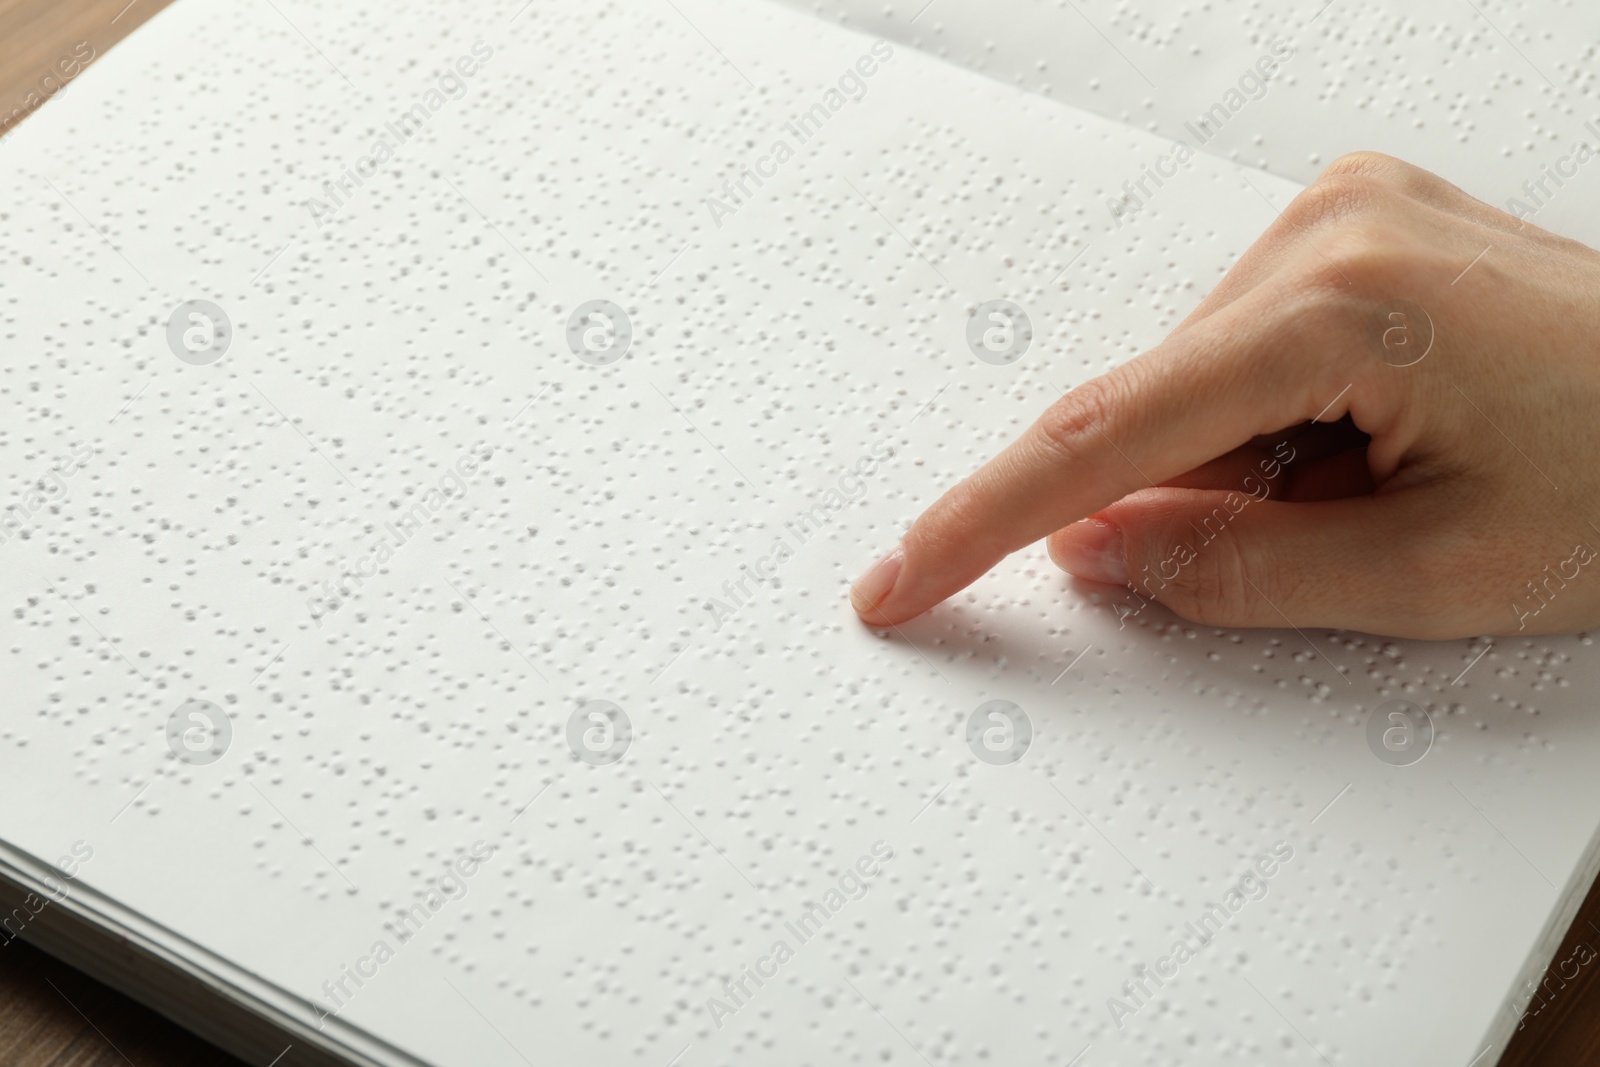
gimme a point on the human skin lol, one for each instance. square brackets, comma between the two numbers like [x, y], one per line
[1452, 495]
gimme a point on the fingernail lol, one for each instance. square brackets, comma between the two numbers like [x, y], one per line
[1092, 549]
[870, 590]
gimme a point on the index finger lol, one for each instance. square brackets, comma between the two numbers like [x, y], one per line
[1196, 396]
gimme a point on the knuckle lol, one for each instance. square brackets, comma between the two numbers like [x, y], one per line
[1334, 198]
[1073, 424]
[1365, 162]
[1388, 170]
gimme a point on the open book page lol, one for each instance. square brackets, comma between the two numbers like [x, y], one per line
[438, 446]
[1496, 97]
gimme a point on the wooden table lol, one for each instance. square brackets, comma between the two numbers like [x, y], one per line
[44, 44]
[53, 1016]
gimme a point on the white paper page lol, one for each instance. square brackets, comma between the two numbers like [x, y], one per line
[1494, 95]
[817, 331]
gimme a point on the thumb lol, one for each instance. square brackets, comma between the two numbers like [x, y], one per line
[1231, 559]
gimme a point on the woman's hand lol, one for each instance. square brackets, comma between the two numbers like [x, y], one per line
[1386, 417]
